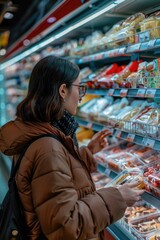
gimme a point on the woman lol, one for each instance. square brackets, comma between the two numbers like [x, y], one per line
[54, 181]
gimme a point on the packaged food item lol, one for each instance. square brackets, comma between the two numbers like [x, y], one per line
[145, 226]
[152, 178]
[152, 24]
[132, 79]
[125, 35]
[84, 133]
[154, 236]
[131, 67]
[100, 180]
[112, 110]
[128, 176]
[140, 209]
[134, 20]
[151, 189]
[99, 106]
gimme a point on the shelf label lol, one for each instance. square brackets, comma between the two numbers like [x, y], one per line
[151, 43]
[99, 56]
[118, 133]
[144, 36]
[134, 48]
[111, 92]
[106, 54]
[150, 93]
[107, 172]
[148, 142]
[123, 92]
[130, 137]
[87, 59]
[141, 92]
[89, 125]
[122, 50]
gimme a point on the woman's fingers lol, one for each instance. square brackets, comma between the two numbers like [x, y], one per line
[133, 184]
[106, 132]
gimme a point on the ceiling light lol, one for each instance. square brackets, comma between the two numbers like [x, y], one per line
[2, 52]
[8, 15]
[119, 1]
[61, 34]
[51, 20]
[26, 42]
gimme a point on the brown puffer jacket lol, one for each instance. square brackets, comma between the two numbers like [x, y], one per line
[55, 185]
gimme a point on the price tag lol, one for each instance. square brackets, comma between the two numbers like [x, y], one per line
[111, 92]
[80, 60]
[122, 50]
[150, 93]
[107, 172]
[99, 56]
[123, 92]
[118, 133]
[141, 92]
[88, 59]
[115, 52]
[148, 142]
[111, 53]
[134, 48]
[151, 43]
[89, 125]
[106, 54]
[130, 137]
[144, 36]
[144, 46]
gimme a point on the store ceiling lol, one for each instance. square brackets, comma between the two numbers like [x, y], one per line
[27, 13]
[18, 16]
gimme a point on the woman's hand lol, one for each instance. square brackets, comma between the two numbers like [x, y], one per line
[130, 193]
[99, 141]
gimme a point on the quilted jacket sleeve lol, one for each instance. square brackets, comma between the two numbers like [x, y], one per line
[62, 215]
[88, 158]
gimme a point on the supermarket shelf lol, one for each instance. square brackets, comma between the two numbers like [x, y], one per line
[118, 52]
[119, 232]
[124, 92]
[124, 51]
[153, 200]
[140, 140]
[135, 138]
[89, 124]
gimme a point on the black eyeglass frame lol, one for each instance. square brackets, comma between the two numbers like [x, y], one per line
[82, 89]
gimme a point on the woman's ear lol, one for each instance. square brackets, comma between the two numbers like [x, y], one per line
[63, 90]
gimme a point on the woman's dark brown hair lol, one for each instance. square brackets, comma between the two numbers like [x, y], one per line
[43, 101]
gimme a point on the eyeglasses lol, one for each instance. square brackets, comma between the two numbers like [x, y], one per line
[82, 89]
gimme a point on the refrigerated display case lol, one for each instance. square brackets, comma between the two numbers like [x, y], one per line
[105, 77]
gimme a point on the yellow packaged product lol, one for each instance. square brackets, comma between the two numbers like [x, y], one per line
[84, 134]
[125, 35]
[134, 20]
[153, 25]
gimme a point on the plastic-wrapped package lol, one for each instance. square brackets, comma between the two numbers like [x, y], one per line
[121, 161]
[148, 120]
[152, 178]
[100, 179]
[153, 25]
[140, 209]
[113, 110]
[128, 176]
[144, 227]
[99, 106]
[134, 20]
[154, 236]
